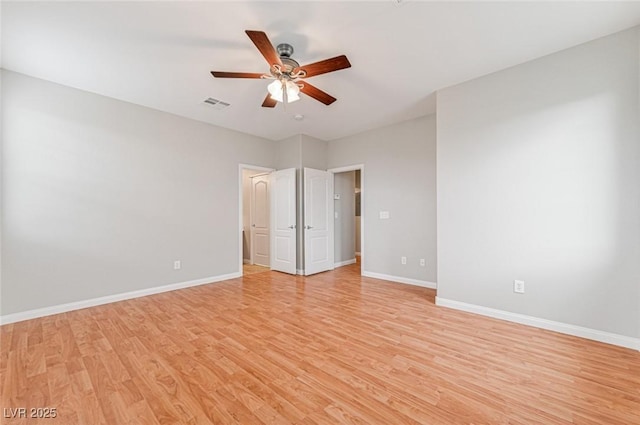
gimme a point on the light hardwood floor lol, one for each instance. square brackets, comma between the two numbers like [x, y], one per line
[248, 269]
[327, 349]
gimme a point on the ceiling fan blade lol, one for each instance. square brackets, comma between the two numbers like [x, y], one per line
[317, 94]
[327, 65]
[221, 74]
[269, 102]
[263, 44]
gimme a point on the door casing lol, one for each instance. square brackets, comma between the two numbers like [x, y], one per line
[242, 167]
[362, 204]
[318, 221]
[284, 223]
[260, 220]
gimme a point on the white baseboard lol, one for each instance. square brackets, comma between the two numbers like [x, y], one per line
[358, 254]
[344, 263]
[565, 328]
[246, 261]
[77, 305]
[300, 272]
[408, 281]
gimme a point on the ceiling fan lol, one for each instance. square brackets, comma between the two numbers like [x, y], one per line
[287, 73]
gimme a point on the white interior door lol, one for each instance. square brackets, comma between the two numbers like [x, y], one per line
[283, 220]
[260, 220]
[318, 221]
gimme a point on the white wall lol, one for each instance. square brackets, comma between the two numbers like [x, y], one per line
[344, 184]
[101, 196]
[539, 180]
[399, 177]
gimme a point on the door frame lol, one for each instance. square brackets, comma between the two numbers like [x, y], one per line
[330, 177]
[241, 168]
[251, 243]
[363, 194]
[284, 182]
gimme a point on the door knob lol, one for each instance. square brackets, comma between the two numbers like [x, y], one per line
[308, 227]
[293, 226]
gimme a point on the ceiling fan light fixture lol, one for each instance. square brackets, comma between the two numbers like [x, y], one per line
[293, 91]
[286, 71]
[278, 88]
[275, 88]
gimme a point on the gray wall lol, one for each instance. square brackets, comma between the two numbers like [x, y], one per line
[314, 152]
[101, 196]
[399, 177]
[358, 221]
[539, 180]
[344, 184]
[298, 152]
[289, 155]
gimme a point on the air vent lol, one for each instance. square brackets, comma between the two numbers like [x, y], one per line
[217, 104]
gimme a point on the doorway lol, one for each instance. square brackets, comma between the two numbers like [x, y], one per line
[348, 215]
[254, 220]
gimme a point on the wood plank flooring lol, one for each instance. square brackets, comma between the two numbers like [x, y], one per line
[248, 269]
[328, 349]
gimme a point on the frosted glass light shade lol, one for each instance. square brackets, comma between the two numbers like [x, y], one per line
[276, 91]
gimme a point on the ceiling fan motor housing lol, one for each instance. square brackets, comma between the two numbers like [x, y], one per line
[285, 51]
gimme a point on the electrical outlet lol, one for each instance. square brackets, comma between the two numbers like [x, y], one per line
[403, 260]
[384, 215]
[177, 265]
[518, 286]
[422, 262]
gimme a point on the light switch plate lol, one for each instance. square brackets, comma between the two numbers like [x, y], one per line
[384, 215]
[336, 196]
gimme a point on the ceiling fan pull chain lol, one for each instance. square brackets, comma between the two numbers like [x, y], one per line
[285, 97]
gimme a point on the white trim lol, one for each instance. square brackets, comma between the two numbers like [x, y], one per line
[346, 168]
[565, 328]
[398, 279]
[357, 253]
[252, 202]
[344, 263]
[242, 167]
[77, 305]
[307, 214]
[363, 194]
[246, 261]
[300, 272]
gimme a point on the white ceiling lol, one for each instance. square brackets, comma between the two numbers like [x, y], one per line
[159, 54]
